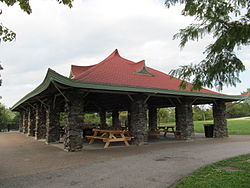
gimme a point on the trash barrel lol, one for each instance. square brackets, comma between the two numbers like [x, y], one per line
[209, 130]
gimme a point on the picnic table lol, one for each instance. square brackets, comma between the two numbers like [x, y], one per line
[170, 129]
[109, 135]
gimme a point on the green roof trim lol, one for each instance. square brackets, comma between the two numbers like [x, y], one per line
[53, 76]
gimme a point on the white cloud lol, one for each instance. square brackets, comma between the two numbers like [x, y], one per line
[54, 36]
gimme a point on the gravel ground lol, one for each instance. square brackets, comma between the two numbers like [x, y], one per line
[26, 162]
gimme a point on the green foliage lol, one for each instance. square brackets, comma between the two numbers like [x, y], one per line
[228, 22]
[213, 176]
[166, 115]
[7, 35]
[7, 117]
[92, 118]
[238, 110]
[201, 113]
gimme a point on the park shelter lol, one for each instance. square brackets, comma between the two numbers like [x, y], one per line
[113, 85]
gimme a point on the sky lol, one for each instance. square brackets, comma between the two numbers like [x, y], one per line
[55, 36]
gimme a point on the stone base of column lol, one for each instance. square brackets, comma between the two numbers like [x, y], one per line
[52, 123]
[73, 141]
[31, 122]
[220, 122]
[73, 122]
[152, 123]
[25, 122]
[40, 122]
[21, 122]
[139, 121]
[184, 119]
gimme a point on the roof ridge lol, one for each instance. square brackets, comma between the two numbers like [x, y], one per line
[79, 66]
[113, 54]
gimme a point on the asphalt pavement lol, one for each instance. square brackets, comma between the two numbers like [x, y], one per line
[26, 162]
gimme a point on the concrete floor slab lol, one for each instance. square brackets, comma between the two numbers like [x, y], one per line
[26, 162]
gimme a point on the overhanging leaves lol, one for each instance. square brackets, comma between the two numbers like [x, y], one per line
[228, 22]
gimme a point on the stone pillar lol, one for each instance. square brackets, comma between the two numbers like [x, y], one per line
[129, 120]
[102, 114]
[115, 118]
[139, 120]
[220, 122]
[52, 123]
[31, 122]
[184, 118]
[73, 121]
[40, 122]
[152, 118]
[25, 122]
[21, 121]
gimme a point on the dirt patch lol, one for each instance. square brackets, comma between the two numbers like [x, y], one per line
[229, 168]
[248, 160]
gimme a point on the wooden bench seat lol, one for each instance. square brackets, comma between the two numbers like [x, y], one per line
[175, 132]
[119, 139]
[95, 137]
[108, 136]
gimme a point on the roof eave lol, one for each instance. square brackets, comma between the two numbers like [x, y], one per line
[53, 76]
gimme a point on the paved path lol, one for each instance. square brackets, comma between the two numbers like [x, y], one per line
[26, 162]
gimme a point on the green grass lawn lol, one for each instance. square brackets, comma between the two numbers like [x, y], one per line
[236, 175]
[238, 127]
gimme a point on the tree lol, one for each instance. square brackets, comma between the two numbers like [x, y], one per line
[7, 35]
[247, 100]
[228, 22]
[241, 108]
[1, 68]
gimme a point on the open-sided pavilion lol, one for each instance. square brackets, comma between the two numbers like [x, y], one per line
[113, 85]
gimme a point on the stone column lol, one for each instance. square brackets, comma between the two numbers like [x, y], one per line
[139, 120]
[40, 122]
[21, 121]
[52, 123]
[73, 121]
[129, 120]
[152, 118]
[220, 122]
[31, 122]
[184, 118]
[115, 118]
[25, 122]
[102, 114]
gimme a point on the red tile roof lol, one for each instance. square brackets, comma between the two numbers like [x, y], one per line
[120, 71]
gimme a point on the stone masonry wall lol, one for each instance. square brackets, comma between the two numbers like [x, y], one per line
[220, 122]
[21, 122]
[25, 122]
[52, 123]
[184, 118]
[139, 120]
[102, 114]
[152, 118]
[115, 118]
[40, 122]
[31, 122]
[73, 122]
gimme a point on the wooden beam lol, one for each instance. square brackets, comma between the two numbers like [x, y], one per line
[45, 105]
[171, 102]
[66, 99]
[131, 98]
[145, 101]
[31, 105]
